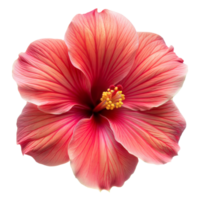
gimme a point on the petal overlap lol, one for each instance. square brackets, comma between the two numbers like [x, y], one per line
[103, 46]
[46, 77]
[97, 160]
[156, 76]
[151, 135]
[44, 136]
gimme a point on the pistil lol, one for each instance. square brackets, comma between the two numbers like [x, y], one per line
[111, 99]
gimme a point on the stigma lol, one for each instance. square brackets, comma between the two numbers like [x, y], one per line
[111, 99]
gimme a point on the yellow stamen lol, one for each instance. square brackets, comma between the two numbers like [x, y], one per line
[110, 99]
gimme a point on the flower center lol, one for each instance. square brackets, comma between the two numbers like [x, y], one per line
[111, 99]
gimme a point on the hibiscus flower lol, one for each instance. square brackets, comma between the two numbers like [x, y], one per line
[100, 99]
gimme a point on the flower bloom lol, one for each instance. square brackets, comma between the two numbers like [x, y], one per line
[100, 99]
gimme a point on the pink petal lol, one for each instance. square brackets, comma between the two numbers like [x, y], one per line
[46, 77]
[97, 160]
[103, 46]
[45, 137]
[156, 76]
[151, 135]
